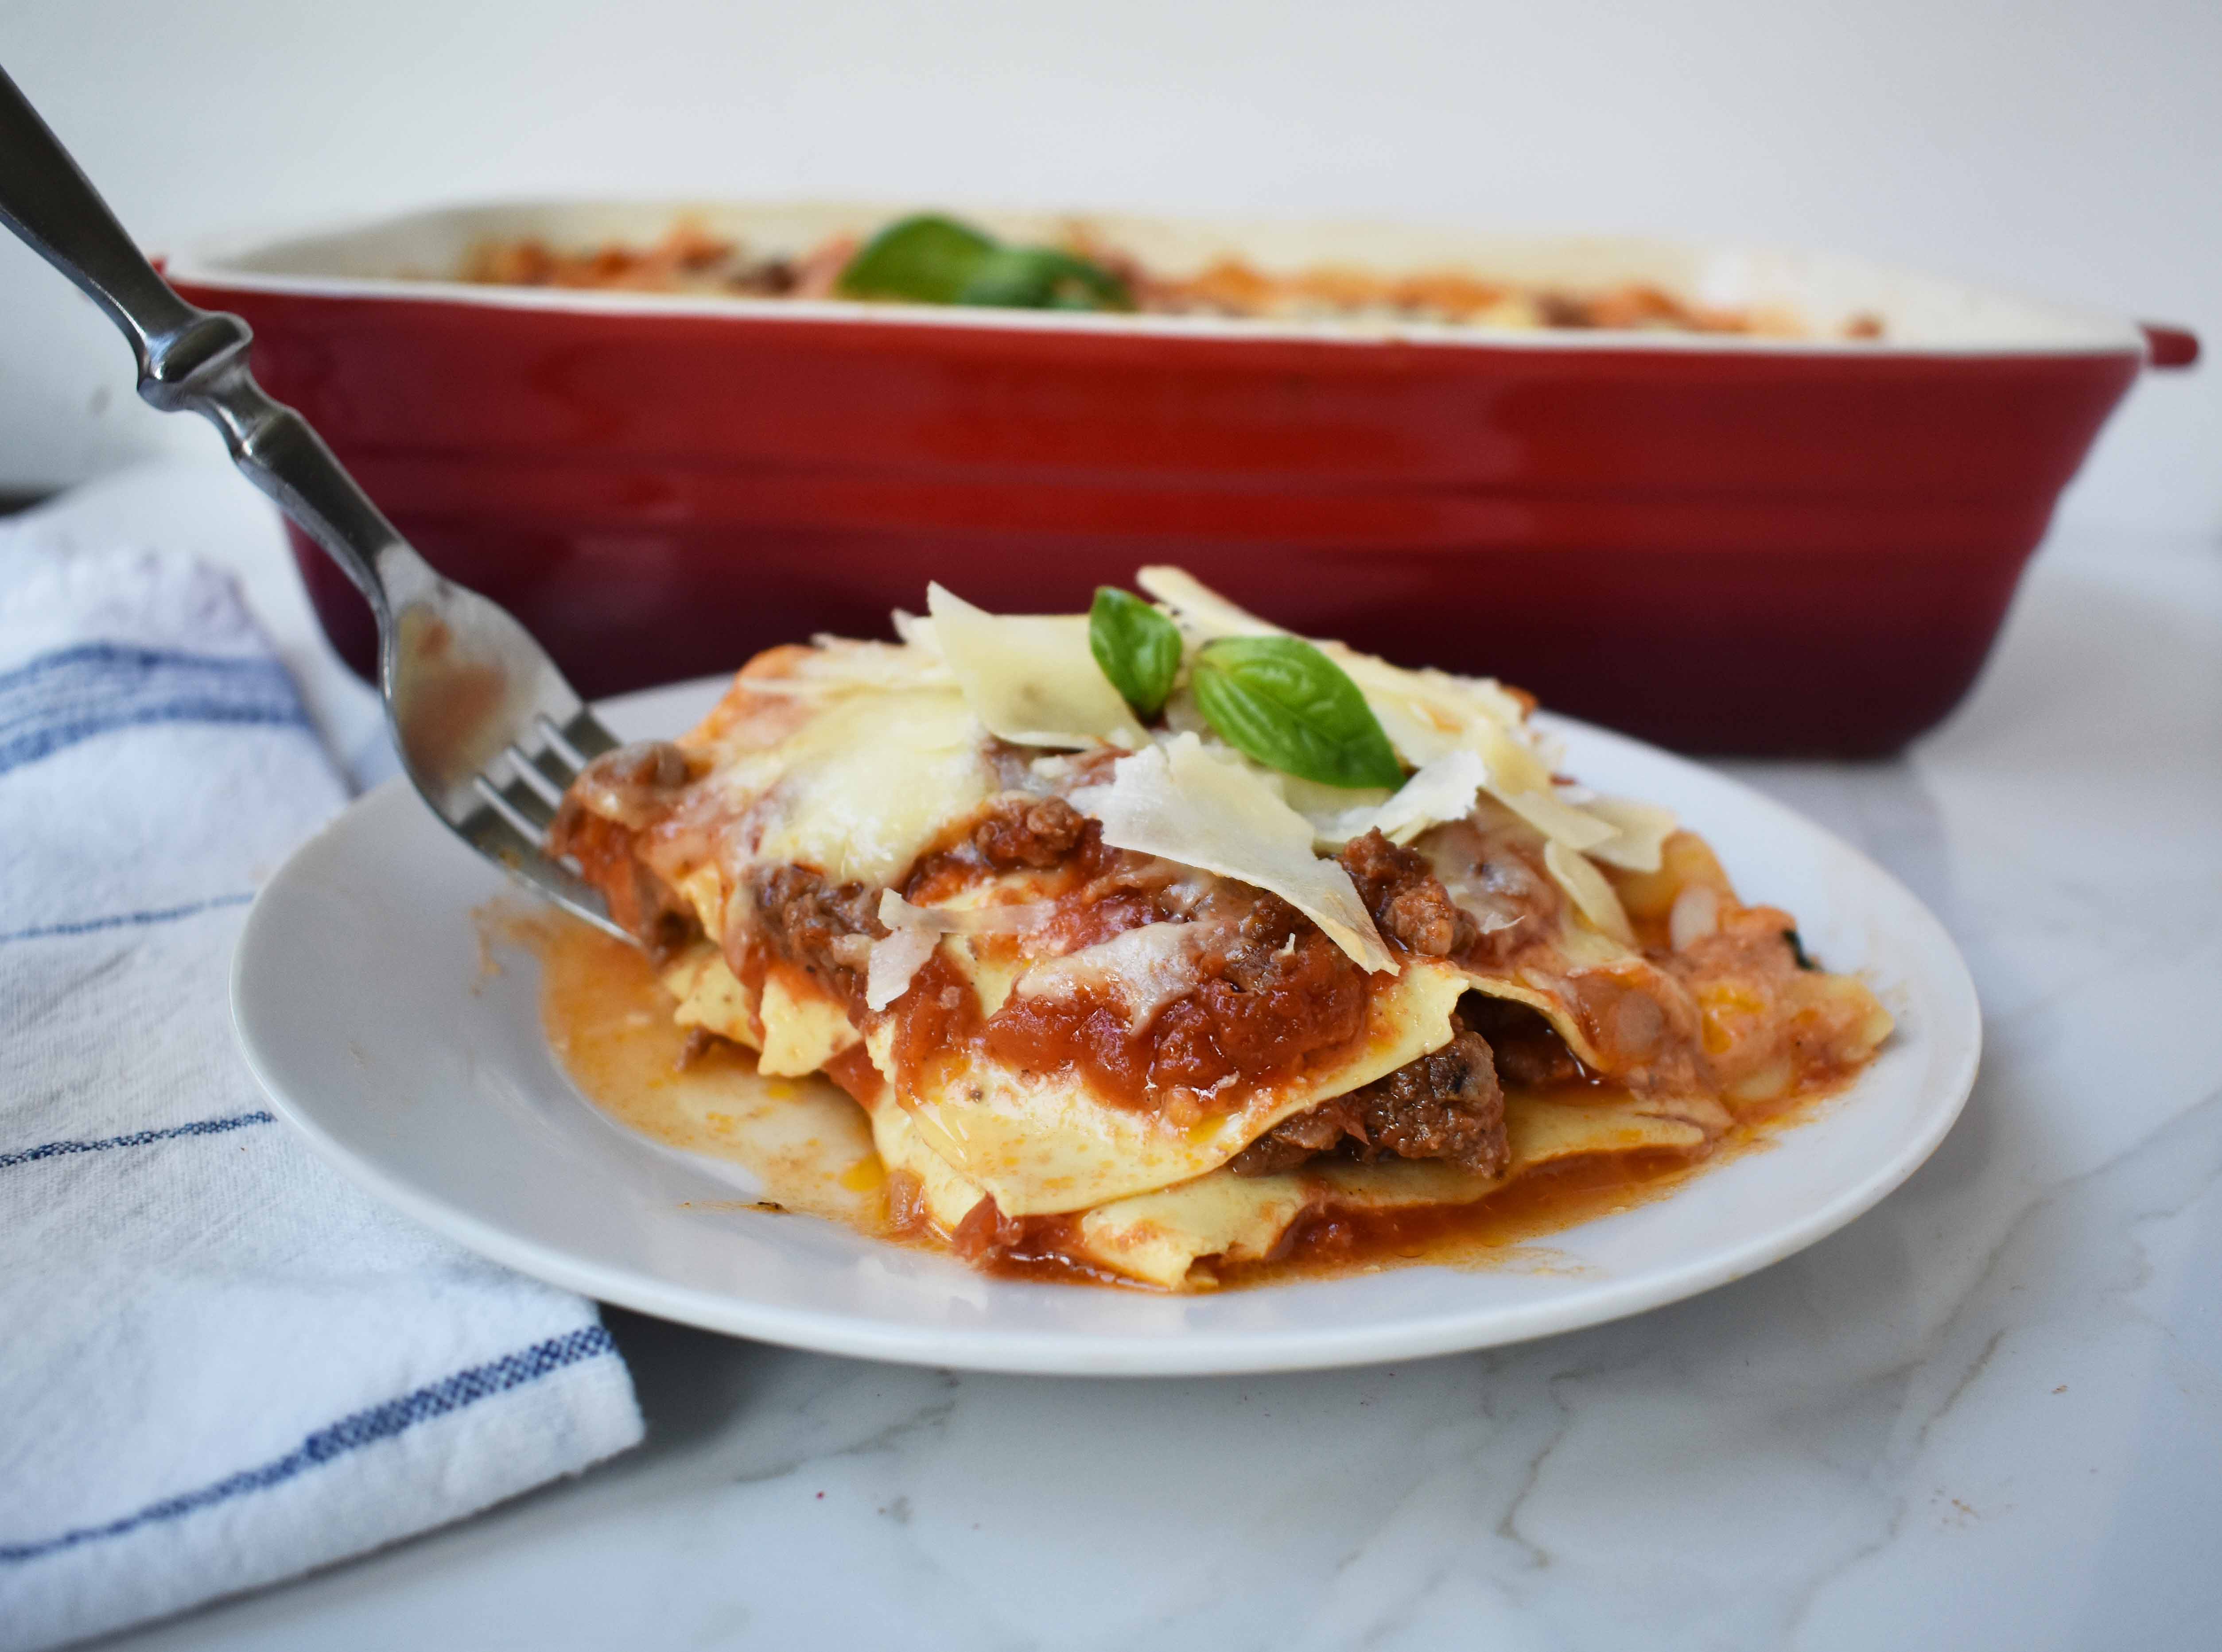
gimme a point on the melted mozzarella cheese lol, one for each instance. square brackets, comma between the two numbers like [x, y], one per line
[1140, 970]
[859, 790]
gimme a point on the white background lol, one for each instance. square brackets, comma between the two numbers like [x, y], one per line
[2074, 150]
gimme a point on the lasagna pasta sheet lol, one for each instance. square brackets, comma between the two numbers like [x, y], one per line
[1041, 1144]
[1157, 1237]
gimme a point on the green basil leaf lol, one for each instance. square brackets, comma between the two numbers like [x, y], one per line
[1139, 649]
[1042, 278]
[1280, 700]
[928, 259]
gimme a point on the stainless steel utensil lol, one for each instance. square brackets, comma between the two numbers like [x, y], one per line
[485, 724]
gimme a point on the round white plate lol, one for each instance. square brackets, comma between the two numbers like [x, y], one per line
[365, 1008]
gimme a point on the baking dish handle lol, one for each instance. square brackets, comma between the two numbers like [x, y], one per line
[2166, 346]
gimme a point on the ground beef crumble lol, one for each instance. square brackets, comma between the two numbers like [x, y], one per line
[824, 930]
[1408, 901]
[1279, 991]
[629, 788]
[1037, 833]
[1446, 1104]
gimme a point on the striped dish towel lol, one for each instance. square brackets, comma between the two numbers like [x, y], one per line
[219, 1365]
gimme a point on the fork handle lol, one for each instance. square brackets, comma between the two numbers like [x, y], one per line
[193, 359]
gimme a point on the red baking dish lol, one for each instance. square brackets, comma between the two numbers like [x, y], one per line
[1725, 543]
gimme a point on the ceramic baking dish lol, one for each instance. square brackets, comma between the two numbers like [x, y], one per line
[1727, 543]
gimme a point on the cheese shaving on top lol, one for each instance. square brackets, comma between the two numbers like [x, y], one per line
[1030, 678]
[914, 931]
[1443, 790]
[894, 963]
[1006, 918]
[1197, 608]
[1591, 894]
[1640, 833]
[1560, 822]
[1184, 802]
[1427, 713]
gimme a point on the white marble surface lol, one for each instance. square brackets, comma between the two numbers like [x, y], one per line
[1989, 1415]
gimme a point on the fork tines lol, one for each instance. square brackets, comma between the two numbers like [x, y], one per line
[520, 791]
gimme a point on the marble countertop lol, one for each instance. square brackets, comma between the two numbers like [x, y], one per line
[1987, 1414]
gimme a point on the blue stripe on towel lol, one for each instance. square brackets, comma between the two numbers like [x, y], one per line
[125, 920]
[136, 1139]
[75, 693]
[350, 1433]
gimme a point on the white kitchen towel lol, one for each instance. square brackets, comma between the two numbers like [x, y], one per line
[220, 1364]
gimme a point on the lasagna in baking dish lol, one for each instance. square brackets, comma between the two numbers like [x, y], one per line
[1152, 938]
[930, 258]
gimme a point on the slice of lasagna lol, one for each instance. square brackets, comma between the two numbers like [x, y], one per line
[1146, 937]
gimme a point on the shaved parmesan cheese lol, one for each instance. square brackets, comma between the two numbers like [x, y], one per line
[1564, 825]
[1443, 790]
[1185, 803]
[914, 931]
[1427, 713]
[1011, 917]
[1031, 678]
[915, 632]
[1640, 832]
[1513, 765]
[1591, 894]
[1200, 609]
[1141, 970]
[895, 962]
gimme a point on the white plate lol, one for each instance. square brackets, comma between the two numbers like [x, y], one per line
[365, 1008]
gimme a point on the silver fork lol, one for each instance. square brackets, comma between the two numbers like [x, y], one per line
[485, 724]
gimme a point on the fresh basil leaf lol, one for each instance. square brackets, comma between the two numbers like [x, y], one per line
[928, 259]
[1042, 278]
[1139, 649]
[1280, 700]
